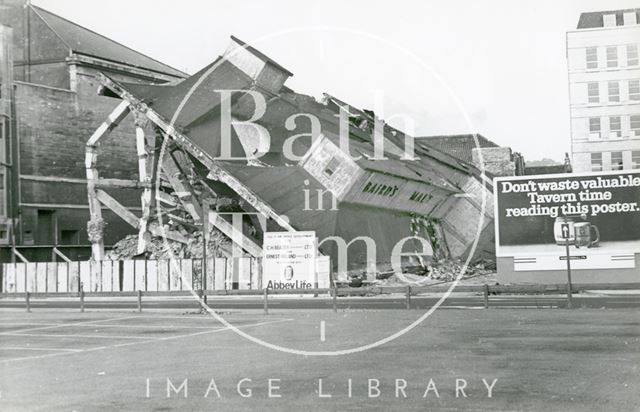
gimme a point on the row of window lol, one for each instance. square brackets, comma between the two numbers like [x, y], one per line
[613, 91]
[617, 162]
[615, 126]
[612, 56]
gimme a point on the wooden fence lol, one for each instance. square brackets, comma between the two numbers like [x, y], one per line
[130, 275]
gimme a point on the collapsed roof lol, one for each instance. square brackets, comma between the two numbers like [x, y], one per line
[381, 199]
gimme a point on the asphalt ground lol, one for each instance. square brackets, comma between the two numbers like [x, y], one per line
[63, 360]
[628, 299]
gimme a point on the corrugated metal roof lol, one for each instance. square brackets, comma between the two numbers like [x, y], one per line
[84, 41]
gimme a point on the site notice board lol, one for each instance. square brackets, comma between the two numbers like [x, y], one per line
[290, 261]
[598, 214]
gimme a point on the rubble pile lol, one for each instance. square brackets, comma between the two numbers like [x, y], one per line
[158, 248]
[440, 271]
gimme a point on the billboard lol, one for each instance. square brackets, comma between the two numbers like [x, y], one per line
[289, 260]
[598, 214]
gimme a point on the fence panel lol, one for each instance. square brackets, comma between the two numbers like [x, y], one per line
[219, 273]
[31, 277]
[51, 269]
[10, 281]
[174, 268]
[128, 277]
[140, 280]
[106, 274]
[244, 272]
[95, 276]
[187, 274]
[62, 278]
[41, 277]
[152, 275]
[21, 278]
[163, 275]
[84, 272]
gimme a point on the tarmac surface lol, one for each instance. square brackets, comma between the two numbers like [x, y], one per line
[576, 360]
[626, 299]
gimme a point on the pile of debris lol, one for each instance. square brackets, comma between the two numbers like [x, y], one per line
[159, 248]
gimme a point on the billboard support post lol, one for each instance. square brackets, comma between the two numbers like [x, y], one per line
[569, 297]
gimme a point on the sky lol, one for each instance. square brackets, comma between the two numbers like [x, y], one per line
[494, 67]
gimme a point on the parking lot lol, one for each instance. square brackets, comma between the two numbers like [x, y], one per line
[585, 359]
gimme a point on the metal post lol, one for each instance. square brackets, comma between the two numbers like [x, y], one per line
[408, 297]
[266, 300]
[139, 300]
[335, 298]
[27, 297]
[200, 299]
[569, 287]
[485, 293]
[205, 238]
[81, 300]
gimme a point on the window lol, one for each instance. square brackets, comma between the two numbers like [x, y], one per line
[612, 56]
[596, 162]
[609, 20]
[614, 92]
[634, 90]
[594, 92]
[635, 159]
[331, 167]
[615, 127]
[616, 161]
[629, 18]
[632, 54]
[635, 125]
[592, 57]
[594, 127]
[69, 237]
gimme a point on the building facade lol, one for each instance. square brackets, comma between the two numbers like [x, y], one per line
[49, 107]
[604, 90]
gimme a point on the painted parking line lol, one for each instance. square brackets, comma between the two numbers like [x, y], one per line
[40, 348]
[147, 340]
[58, 325]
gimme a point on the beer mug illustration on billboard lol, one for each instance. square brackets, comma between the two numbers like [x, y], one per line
[586, 234]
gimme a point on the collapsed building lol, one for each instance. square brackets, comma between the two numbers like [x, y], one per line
[234, 138]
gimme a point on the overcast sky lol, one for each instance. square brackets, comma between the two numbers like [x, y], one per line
[500, 64]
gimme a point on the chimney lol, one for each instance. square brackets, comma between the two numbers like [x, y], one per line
[266, 73]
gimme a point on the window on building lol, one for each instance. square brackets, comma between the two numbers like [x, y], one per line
[635, 159]
[612, 56]
[594, 127]
[2, 192]
[592, 57]
[609, 20]
[614, 91]
[634, 89]
[596, 162]
[632, 54]
[594, 92]
[332, 166]
[616, 161]
[69, 237]
[615, 127]
[629, 18]
[635, 125]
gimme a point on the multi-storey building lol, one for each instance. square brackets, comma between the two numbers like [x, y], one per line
[48, 108]
[604, 90]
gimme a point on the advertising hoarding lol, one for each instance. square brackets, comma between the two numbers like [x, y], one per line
[597, 213]
[289, 260]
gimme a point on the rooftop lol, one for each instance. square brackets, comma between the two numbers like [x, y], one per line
[592, 20]
[86, 42]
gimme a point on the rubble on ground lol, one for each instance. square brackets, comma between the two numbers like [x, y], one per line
[159, 248]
